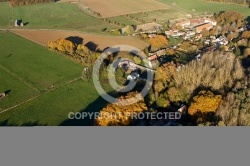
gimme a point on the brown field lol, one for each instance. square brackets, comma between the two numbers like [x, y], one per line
[112, 8]
[42, 37]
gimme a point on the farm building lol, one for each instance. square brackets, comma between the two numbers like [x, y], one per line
[18, 23]
[127, 64]
[2, 95]
[184, 24]
[206, 26]
[153, 57]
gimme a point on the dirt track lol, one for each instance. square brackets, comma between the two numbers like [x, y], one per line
[42, 37]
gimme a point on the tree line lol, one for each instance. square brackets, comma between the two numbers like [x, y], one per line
[79, 52]
[233, 1]
[27, 2]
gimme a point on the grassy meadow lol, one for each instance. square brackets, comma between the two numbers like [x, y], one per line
[52, 16]
[203, 6]
[28, 70]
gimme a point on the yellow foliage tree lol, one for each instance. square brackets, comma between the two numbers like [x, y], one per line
[205, 102]
[117, 114]
[63, 45]
[159, 41]
[163, 76]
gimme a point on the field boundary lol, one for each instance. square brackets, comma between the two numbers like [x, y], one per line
[20, 79]
[41, 94]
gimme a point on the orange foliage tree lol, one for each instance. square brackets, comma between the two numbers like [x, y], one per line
[171, 51]
[246, 34]
[159, 41]
[205, 102]
[117, 114]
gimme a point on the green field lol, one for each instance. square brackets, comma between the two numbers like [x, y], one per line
[53, 15]
[34, 64]
[53, 108]
[160, 16]
[26, 69]
[206, 7]
[5, 14]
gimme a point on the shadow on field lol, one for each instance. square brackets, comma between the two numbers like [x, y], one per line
[7, 92]
[75, 39]
[94, 107]
[92, 46]
[26, 23]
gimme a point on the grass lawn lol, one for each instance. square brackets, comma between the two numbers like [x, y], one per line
[203, 6]
[53, 108]
[34, 64]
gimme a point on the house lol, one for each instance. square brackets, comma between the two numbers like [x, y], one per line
[18, 23]
[189, 34]
[174, 33]
[152, 35]
[198, 37]
[133, 76]
[207, 42]
[208, 20]
[127, 65]
[206, 26]
[153, 57]
[161, 52]
[149, 27]
[184, 24]
[182, 109]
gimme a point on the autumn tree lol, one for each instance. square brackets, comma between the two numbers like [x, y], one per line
[204, 102]
[63, 45]
[213, 32]
[79, 52]
[129, 29]
[235, 106]
[117, 114]
[185, 45]
[137, 60]
[247, 52]
[246, 35]
[159, 41]
[163, 101]
[177, 94]
[27, 2]
[170, 52]
[231, 36]
[216, 70]
[163, 77]
[228, 17]
[205, 32]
